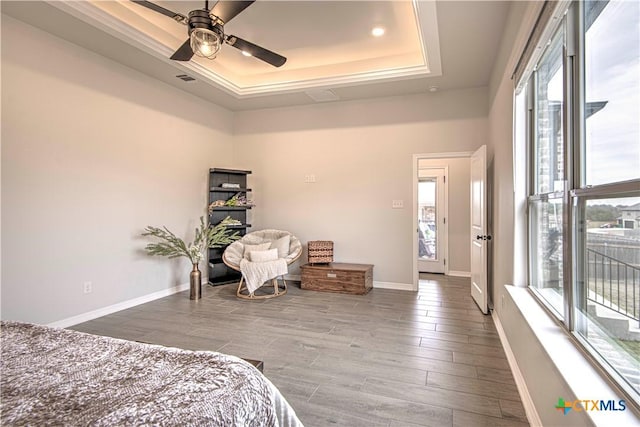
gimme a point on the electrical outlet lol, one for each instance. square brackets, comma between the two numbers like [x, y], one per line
[87, 287]
[397, 204]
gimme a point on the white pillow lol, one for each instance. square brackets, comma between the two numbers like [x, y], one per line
[263, 256]
[282, 245]
[250, 248]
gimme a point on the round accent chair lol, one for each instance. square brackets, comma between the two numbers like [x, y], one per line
[287, 246]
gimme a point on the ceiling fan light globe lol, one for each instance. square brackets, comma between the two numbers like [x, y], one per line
[205, 43]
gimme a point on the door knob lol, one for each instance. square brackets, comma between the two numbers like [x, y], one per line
[478, 237]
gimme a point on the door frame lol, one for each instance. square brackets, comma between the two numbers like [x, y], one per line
[414, 233]
[442, 230]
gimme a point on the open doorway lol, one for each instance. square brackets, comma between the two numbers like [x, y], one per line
[441, 228]
[432, 220]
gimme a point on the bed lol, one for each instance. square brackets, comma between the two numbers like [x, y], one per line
[55, 376]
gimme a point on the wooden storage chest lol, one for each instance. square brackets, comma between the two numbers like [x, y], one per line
[338, 277]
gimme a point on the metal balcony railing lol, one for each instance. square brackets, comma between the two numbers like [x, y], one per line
[613, 284]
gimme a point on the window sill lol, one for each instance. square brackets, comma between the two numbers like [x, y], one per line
[571, 367]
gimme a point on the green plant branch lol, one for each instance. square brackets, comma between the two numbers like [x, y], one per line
[172, 246]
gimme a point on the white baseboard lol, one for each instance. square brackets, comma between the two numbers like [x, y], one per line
[393, 285]
[459, 273]
[90, 315]
[527, 401]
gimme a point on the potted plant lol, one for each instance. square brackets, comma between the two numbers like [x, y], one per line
[206, 237]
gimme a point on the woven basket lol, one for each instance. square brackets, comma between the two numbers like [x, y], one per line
[320, 251]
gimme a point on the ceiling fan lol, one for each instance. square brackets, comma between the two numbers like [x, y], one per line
[206, 31]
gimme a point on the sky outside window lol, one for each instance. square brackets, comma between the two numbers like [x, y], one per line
[612, 68]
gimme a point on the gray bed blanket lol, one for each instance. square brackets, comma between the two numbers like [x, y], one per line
[60, 377]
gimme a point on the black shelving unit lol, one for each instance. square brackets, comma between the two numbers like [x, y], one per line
[219, 273]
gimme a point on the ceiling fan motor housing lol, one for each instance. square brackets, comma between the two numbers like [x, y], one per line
[201, 19]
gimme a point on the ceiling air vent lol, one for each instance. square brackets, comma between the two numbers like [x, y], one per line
[322, 95]
[185, 78]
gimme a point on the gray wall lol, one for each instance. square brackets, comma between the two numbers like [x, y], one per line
[92, 152]
[361, 153]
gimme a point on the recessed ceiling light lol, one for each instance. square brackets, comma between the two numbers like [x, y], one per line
[377, 32]
[245, 53]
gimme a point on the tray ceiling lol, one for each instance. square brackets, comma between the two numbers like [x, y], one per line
[331, 53]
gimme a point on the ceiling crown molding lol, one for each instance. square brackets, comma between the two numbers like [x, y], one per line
[426, 22]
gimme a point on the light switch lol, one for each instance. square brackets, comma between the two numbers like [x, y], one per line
[309, 179]
[397, 204]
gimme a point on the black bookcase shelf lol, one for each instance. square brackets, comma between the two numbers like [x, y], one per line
[231, 208]
[219, 273]
[229, 190]
[225, 279]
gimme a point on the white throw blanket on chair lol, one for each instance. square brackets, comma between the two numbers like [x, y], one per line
[256, 273]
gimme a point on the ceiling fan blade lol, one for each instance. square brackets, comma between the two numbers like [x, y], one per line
[184, 52]
[173, 15]
[255, 50]
[226, 10]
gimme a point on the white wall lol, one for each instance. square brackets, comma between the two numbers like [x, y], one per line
[529, 352]
[459, 210]
[499, 149]
[361, 155]
[92, 152]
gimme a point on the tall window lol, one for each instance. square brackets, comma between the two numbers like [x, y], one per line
[584, 185]
[546, 202]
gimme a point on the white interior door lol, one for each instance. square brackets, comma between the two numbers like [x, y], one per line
[432, 233]
[479, 236]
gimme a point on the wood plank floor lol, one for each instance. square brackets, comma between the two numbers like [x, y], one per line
[388, 358]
